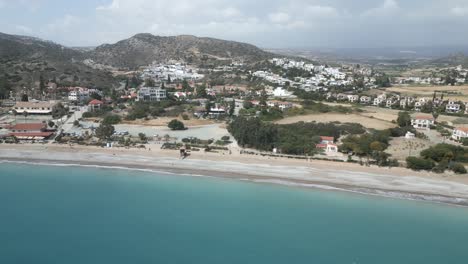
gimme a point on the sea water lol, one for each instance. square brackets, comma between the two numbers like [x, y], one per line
[77, 215]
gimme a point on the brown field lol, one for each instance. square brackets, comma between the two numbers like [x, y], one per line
[390, 115]
[337, 117]
[450, 92]
[372, 117]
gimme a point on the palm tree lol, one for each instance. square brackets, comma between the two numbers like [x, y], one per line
[25, 114]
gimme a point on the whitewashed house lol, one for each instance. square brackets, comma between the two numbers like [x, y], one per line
[327, 144]
[151, 94]
[422, 122]
[353, 98]
[460, 133]
[452, 107]
[365, 100]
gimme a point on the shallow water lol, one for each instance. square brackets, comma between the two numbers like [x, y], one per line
[73, 215]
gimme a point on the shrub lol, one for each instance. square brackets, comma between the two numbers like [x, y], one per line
[185, 117]
[87, 114]
[226, 138]
[458, 168]
[111, 119]
[176, 125]
[415, 163]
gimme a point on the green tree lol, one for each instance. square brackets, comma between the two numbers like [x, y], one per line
[24, 98]
[185, 86]
[42, 85]
[458, 168]
[5, 87]
[201, 91]
[150, 83]
[404, 119]
[142, 137]
[232, 107]
[59, 111]
[112, 119]
[208, 106]
[105, 131]
[176, 125]
[415, 163]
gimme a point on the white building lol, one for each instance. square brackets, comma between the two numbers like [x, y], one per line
[452, 107]
[422, 122]
[353, 98]
[365, 100]
[280, 92]
[37, 108]
[460, 133]
[151, 94]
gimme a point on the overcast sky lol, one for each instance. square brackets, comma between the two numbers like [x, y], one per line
[266, 23]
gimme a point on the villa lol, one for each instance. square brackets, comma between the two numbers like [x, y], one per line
[460, 133]
[422, 122]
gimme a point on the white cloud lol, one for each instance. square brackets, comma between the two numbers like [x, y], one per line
[459, 11]
[279, 17]
[389, 7]
[113, 5]
[321, 11]
[61, 25]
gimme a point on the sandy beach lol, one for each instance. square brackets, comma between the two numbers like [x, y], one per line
[395, 182]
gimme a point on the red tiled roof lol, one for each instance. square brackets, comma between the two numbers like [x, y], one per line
[29, 126]
[464, 129]
[96, 102]
[327, 138]
[424, 117]
[32, 134]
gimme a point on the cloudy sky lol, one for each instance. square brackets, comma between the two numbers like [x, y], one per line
[267, 23]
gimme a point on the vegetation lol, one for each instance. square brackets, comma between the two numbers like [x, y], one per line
[105, 131]
[415, 163]
[176, 125]
[404, 119]
[440, 158]
[297, 139]
[59, 111]
[112, 119]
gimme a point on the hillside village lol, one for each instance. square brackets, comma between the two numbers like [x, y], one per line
[184, 106]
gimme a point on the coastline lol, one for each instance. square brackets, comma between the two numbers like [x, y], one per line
[394, 183]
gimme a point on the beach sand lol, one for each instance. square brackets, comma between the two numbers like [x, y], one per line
[395, 182]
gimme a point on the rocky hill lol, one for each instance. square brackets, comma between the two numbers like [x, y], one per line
[24, 59]
[143, 49]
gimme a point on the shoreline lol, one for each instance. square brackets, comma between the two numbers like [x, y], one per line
[380, 182]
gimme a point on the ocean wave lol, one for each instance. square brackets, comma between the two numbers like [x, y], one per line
[357, 190]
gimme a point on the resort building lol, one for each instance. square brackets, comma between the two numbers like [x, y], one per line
[95, 105]
[327, 144]
[30, 131]
[35, 108]
[460, 133]
[151, 94]
[422, 122]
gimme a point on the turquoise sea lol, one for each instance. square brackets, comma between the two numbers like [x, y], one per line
[76, 215]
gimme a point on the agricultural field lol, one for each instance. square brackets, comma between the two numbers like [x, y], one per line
[457, 93]
[366, 121]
